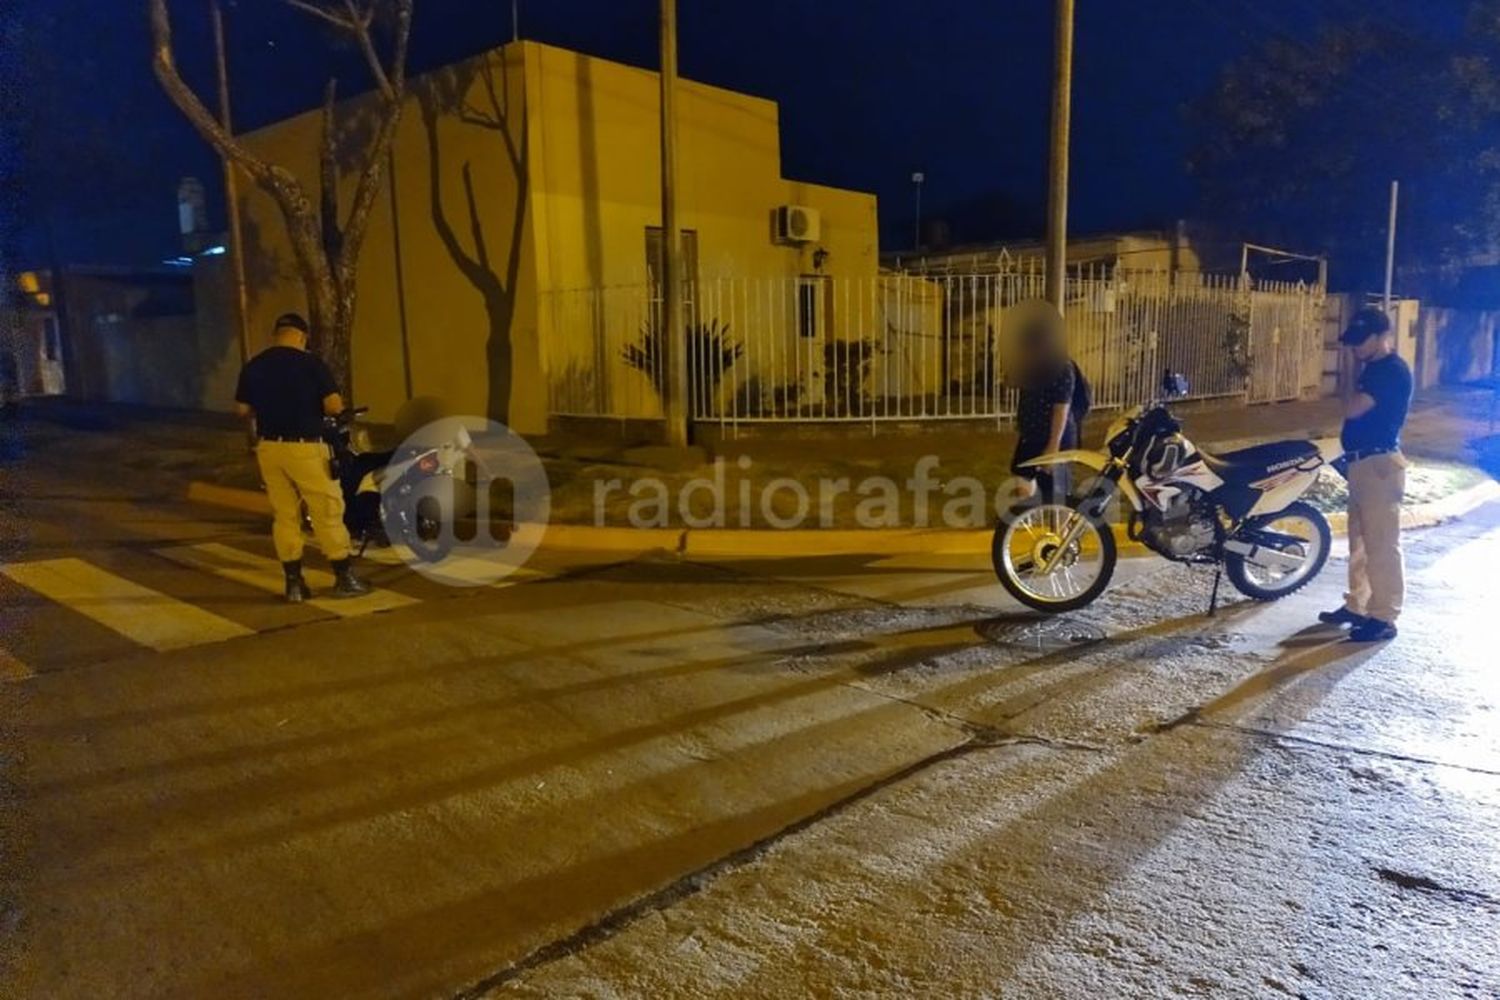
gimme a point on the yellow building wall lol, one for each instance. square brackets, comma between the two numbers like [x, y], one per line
[597, 191]
[535, 170]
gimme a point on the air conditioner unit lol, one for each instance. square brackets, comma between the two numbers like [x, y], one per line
[797, 224]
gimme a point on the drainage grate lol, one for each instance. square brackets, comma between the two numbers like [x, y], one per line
[1043, 635]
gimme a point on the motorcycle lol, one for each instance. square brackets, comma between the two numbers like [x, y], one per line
[388, 495]
[1240, 512]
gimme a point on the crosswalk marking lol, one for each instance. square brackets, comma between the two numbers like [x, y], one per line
[12, 669]
[455, 567]
[139, 613]
[264, 573]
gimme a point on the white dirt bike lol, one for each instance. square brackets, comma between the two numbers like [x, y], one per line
[1240, 512]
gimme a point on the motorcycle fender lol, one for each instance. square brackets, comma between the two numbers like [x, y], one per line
[1089, 459]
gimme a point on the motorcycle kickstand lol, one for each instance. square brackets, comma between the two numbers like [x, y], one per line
[1213, 598]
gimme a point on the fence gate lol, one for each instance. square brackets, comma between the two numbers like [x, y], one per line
[1281, 323]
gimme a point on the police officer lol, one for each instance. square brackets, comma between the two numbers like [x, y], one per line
[286, 392]
[1373, 417]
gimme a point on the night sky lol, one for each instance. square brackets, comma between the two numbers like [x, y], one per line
[869, 92]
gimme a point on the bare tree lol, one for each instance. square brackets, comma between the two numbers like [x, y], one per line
[325, 247]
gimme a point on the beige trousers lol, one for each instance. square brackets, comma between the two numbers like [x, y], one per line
[1377, 575]
[296, 472]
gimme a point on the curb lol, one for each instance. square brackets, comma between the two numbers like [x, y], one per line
[760, 543]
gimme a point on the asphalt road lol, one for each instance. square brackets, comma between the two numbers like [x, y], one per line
[653, 778]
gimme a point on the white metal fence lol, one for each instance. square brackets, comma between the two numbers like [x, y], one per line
[913, 347]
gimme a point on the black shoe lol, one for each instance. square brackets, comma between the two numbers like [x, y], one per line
[297, 590]
[1372, 630]
[345, 583]
[1343, 616]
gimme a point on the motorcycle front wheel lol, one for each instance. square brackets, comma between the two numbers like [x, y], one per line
[1053, 557]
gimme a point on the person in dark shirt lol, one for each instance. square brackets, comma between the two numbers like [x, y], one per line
[1044, 417]
[286, 391]
[1373, 417]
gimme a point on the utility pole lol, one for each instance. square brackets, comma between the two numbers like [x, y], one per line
[674, 342]
[1057, 180]
[1390, 247]
[231, 192]
[917, 178]
[515, 20]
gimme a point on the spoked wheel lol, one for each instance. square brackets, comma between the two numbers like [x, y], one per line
[1292, 548]
[1052, 557]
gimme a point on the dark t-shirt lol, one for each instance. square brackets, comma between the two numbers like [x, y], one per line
[1387, 381]
[285, 387]
[1034, 415]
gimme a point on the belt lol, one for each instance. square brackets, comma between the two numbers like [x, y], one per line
[1355, 456]
[291, 440]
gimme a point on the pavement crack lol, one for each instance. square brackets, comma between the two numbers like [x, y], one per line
[1309, 743]
[972, 729]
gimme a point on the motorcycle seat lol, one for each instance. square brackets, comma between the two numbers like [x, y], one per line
[1258, 461]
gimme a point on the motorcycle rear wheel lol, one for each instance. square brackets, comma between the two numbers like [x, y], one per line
[1301, 520]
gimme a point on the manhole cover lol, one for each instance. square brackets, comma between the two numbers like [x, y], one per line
[1044, 635]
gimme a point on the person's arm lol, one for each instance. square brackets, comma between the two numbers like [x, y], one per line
[244, 410]
[1059, 426]
[1360, 399]
[1062, 402]
[1358, 405]
[328, 389]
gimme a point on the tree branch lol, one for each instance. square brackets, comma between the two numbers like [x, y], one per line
[367, 189]
[359, 25]
[213, 132]
[403, 37]
[321, 13]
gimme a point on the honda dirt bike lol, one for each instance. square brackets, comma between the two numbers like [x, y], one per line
[386, 494]
[1240, 512]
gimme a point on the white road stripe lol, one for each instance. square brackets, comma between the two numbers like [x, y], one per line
[139, 613]
[12, 669]
[455, 567]
[264, 573]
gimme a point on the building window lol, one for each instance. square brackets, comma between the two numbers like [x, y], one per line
[688, 262]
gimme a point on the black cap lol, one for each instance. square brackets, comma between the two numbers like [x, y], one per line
[1371, 321]
[293, 320]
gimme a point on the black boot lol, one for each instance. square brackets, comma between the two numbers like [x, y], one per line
[296, 588]
[345, 583]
